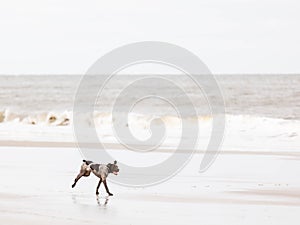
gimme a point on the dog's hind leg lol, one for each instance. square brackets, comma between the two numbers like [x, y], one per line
[98, 186]
[84, 171]
[106, 188]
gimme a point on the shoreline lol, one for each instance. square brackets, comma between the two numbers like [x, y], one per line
[114, 146]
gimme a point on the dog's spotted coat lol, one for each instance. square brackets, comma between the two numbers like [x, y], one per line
[100, 170]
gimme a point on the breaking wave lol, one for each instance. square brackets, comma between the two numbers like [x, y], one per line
[238, 124]
[100, 119]
[43, 118]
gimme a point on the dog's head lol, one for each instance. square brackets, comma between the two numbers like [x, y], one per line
[113, 168]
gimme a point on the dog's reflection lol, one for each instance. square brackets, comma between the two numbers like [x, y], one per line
[102, 202]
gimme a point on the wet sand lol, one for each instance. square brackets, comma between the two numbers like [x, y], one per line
[249, 189]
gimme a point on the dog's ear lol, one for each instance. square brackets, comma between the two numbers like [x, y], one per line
[115, 162]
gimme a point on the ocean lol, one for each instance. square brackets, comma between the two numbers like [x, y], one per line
[262, 111]
[274, 96]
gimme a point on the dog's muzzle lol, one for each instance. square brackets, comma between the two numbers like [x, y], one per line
[116, 172]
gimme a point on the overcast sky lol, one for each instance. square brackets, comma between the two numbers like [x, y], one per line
[230, 36]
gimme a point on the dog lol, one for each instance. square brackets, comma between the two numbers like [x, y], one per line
[100, 170]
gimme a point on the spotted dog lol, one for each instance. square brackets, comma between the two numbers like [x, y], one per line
[100, 170]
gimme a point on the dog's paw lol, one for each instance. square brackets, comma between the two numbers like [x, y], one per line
[110, 194]
[97, 192]
[73, 185]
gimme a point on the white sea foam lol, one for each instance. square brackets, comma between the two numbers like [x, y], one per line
[243, 132]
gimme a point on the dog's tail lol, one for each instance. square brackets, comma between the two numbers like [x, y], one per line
[87, 162]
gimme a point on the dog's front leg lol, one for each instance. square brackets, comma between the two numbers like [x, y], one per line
[106, 188]
[98, 186]
[77, 179]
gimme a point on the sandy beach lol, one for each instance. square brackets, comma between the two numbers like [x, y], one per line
[238, 189]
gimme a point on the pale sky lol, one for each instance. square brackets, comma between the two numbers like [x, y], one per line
[230, 36]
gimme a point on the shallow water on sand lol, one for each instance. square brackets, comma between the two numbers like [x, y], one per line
[237, 189]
